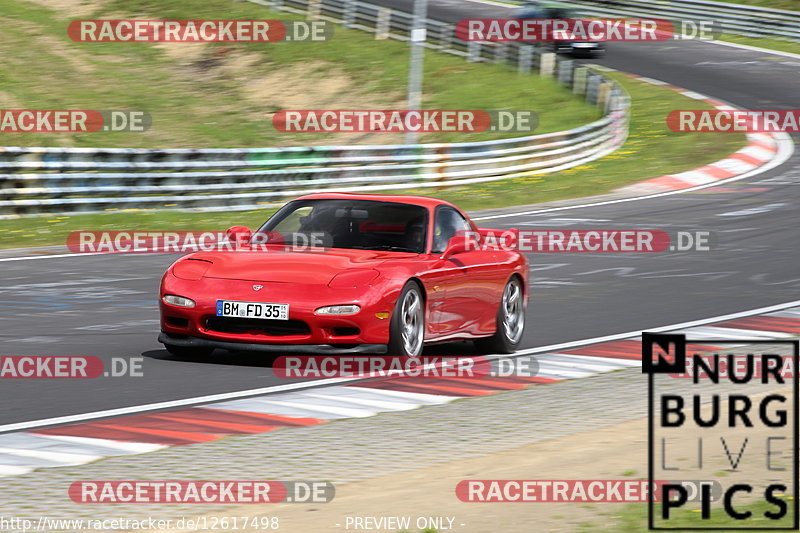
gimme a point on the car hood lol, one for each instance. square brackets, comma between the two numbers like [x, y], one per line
[309, 267]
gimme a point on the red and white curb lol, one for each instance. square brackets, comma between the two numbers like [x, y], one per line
[84, 442]
[762, 148]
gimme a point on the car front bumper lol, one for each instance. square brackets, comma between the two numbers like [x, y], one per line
[304, 327]
[313, 349]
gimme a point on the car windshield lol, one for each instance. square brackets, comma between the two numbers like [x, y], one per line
[354, 224]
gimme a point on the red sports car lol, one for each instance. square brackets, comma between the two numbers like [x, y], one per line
[349, 273]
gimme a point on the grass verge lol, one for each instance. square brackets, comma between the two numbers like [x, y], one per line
[770, 44]
[224, 94]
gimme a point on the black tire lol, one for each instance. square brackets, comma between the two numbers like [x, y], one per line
[188, 351]
[506, 339]
[411, 343]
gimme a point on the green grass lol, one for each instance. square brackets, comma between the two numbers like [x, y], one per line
[770, 44]
[223, 94]
[791, 5]
[652, 150]
[632, 518]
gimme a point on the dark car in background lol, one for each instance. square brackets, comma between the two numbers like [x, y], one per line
[549, 10]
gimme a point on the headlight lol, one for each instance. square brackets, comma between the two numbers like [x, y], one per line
[180, 301]
[338, 310]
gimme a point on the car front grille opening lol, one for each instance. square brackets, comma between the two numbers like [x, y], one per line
[257, 326]
[177, 321]
[346, 331]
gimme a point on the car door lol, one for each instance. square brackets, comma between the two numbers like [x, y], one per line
[469, 278]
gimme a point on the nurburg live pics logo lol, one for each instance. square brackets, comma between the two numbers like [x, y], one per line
[748, 439]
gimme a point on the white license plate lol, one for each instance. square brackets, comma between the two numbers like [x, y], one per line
[253, 310]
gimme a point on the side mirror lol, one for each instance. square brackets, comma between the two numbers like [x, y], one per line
[455, 245]
[239, 234]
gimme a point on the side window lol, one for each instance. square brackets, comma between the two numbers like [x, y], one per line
[448, 222]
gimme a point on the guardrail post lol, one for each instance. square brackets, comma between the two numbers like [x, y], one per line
[591, 88]
[314, 9]
[382, 25]
[474, 51]
[603, 94]
[565, 68]
[547, 64]
[525, 59]
[349, 17]
[446, 37]
[500, 53]
[579, 80]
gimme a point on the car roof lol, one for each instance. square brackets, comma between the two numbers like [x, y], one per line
[424, 201]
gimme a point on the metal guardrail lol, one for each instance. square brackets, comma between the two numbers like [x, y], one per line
[740, 19]
[36, 181]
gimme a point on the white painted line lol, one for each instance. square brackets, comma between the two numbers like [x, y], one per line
[733, 165]
[694, 177]
[711, 332]
[417, 397]
[552, 371]
[52, 457]
[321, 408]
[7, 470]
[651, 81]
[611, 362]
[122, 447]
[314, 398]
[754, 48]
[762, 154]
[693, 95]
[586, 362]
[366, 402]
[54, 256]
[259, 405]
[789, 313]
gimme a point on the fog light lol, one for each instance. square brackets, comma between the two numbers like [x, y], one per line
[180, 301]
[338, 310]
